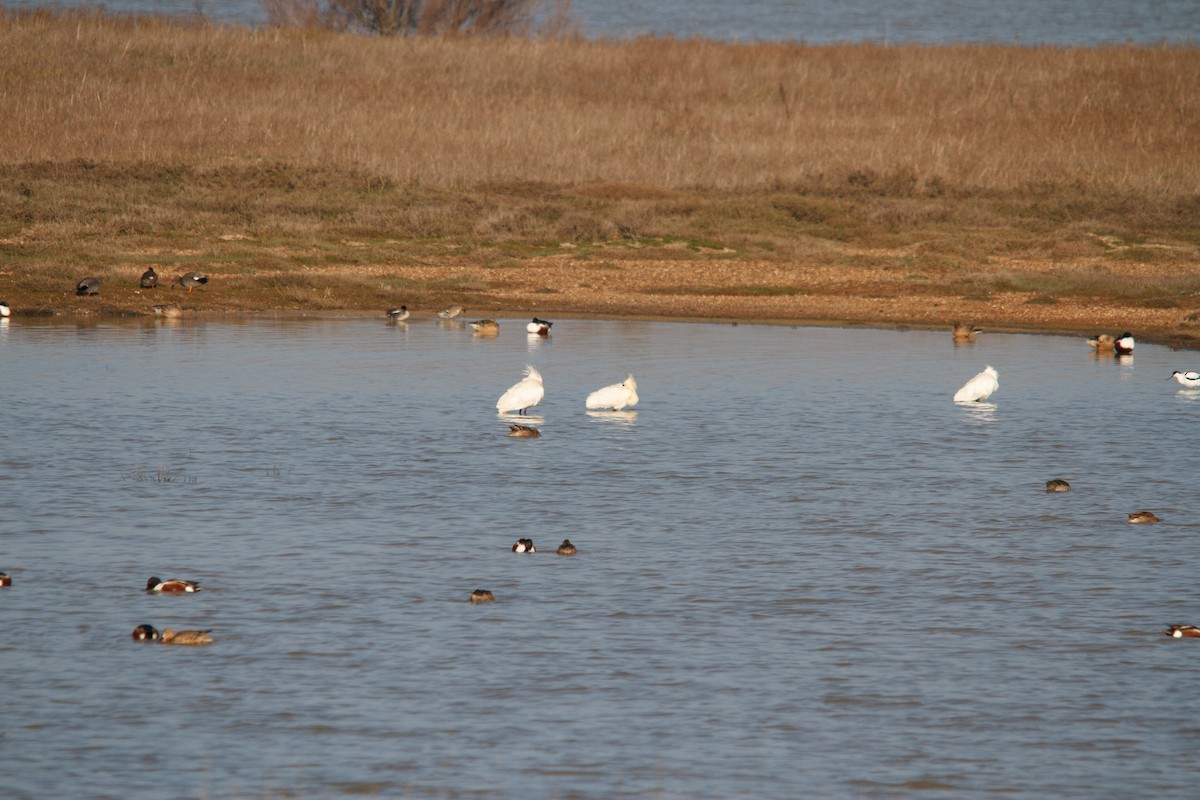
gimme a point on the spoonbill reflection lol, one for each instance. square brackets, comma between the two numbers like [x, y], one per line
[524, 395]
[615, 397]
[1189, 379]
[979, 388]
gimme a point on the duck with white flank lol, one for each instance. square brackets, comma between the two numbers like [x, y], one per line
[171, 585]
[539, 326]
[524, 546]
[398, 314]
[1123, 344]
[1182, 632]
[1189, 379]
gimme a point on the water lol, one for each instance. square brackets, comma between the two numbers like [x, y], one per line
[1064, 22]
[802, 570]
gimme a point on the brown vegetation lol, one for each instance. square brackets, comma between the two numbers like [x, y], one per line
[307, 168]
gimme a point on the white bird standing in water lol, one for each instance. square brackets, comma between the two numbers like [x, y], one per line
[979, 388]
[1189, 379]
[615, 397]
[524, 395]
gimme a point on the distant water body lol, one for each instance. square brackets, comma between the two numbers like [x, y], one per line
[1059, 22]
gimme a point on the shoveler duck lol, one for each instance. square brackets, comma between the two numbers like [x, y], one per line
[5, 309]
[965, 332]
[398, 314]
[1101, 343]
[1189, 379]
[1057, 485]
[539, 326]
[88, 286]
[486, 327]
[979, 388]
[186, 637]
[1123, 344]
[190, 280]
[566, 548]
[146, 633]
[170, 311]
[451, 312]
[1143, 516]
[5, 579]
[615, 397]
[149, 279]
[482, 596]
[524, 546]
[1182, 632]
[523, 432]
[171, 585]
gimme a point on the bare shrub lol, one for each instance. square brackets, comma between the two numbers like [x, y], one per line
[422, 17]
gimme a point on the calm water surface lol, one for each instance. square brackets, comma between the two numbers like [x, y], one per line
[1067, 22]
[802, 569]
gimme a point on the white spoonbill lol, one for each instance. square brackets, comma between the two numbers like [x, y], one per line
[979, 388]
[1123, 344]
[615, 397]
[1189, 379]
[539, 326]
[524, 395]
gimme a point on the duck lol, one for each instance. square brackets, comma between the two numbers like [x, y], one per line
[482, 596]
[451, 312]
[1101, 343]
[566, 548]
[1123, 344]
[87, 287]
[190, 280]
[979, 388]
[1143, 516]
[5, 309]
[486, 327]
[1182, 632]
[5, 579]
[169, 310]
[615, 397]
[398, 314]
[1057, 485]
[539, 326]
[186, 637]
[1189, 379]
[523, 432]
[965, 332]
[146, 633]
[524, 546]
[149, 279]
[171, 585]
[523, 395]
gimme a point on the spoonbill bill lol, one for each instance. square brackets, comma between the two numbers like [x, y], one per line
[1189, 379]
[524, 395]
[979, 388]
[539, 326]
[1123, 345]
[615, 397]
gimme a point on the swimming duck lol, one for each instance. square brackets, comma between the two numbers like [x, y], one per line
[482, 596]
[451, 312]
[186, 637]
[190, 280]
[398, 314]
[170, 311]
[1101, 343]
[965, 332]
[486, 327]
[171, 585]
[524, 546]
[5, 310]
[1189, 379]
[88, 286]
[1182, 632]
[539, 326]
[5, 579]
[523, 395]
[615, 397]
[1057, 486]
[566, 548]
[1143, 516]
[1123, 344]
[149, 279]
[146, 633]
[979, 388]
[523, 432]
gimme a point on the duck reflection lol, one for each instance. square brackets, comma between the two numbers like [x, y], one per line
[535, 340]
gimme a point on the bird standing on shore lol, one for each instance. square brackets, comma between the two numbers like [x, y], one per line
[1189, 379]
[149, 279]
[615, 397]
[87, 287]
[979, 388]
[524, 395]
[190, 280]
